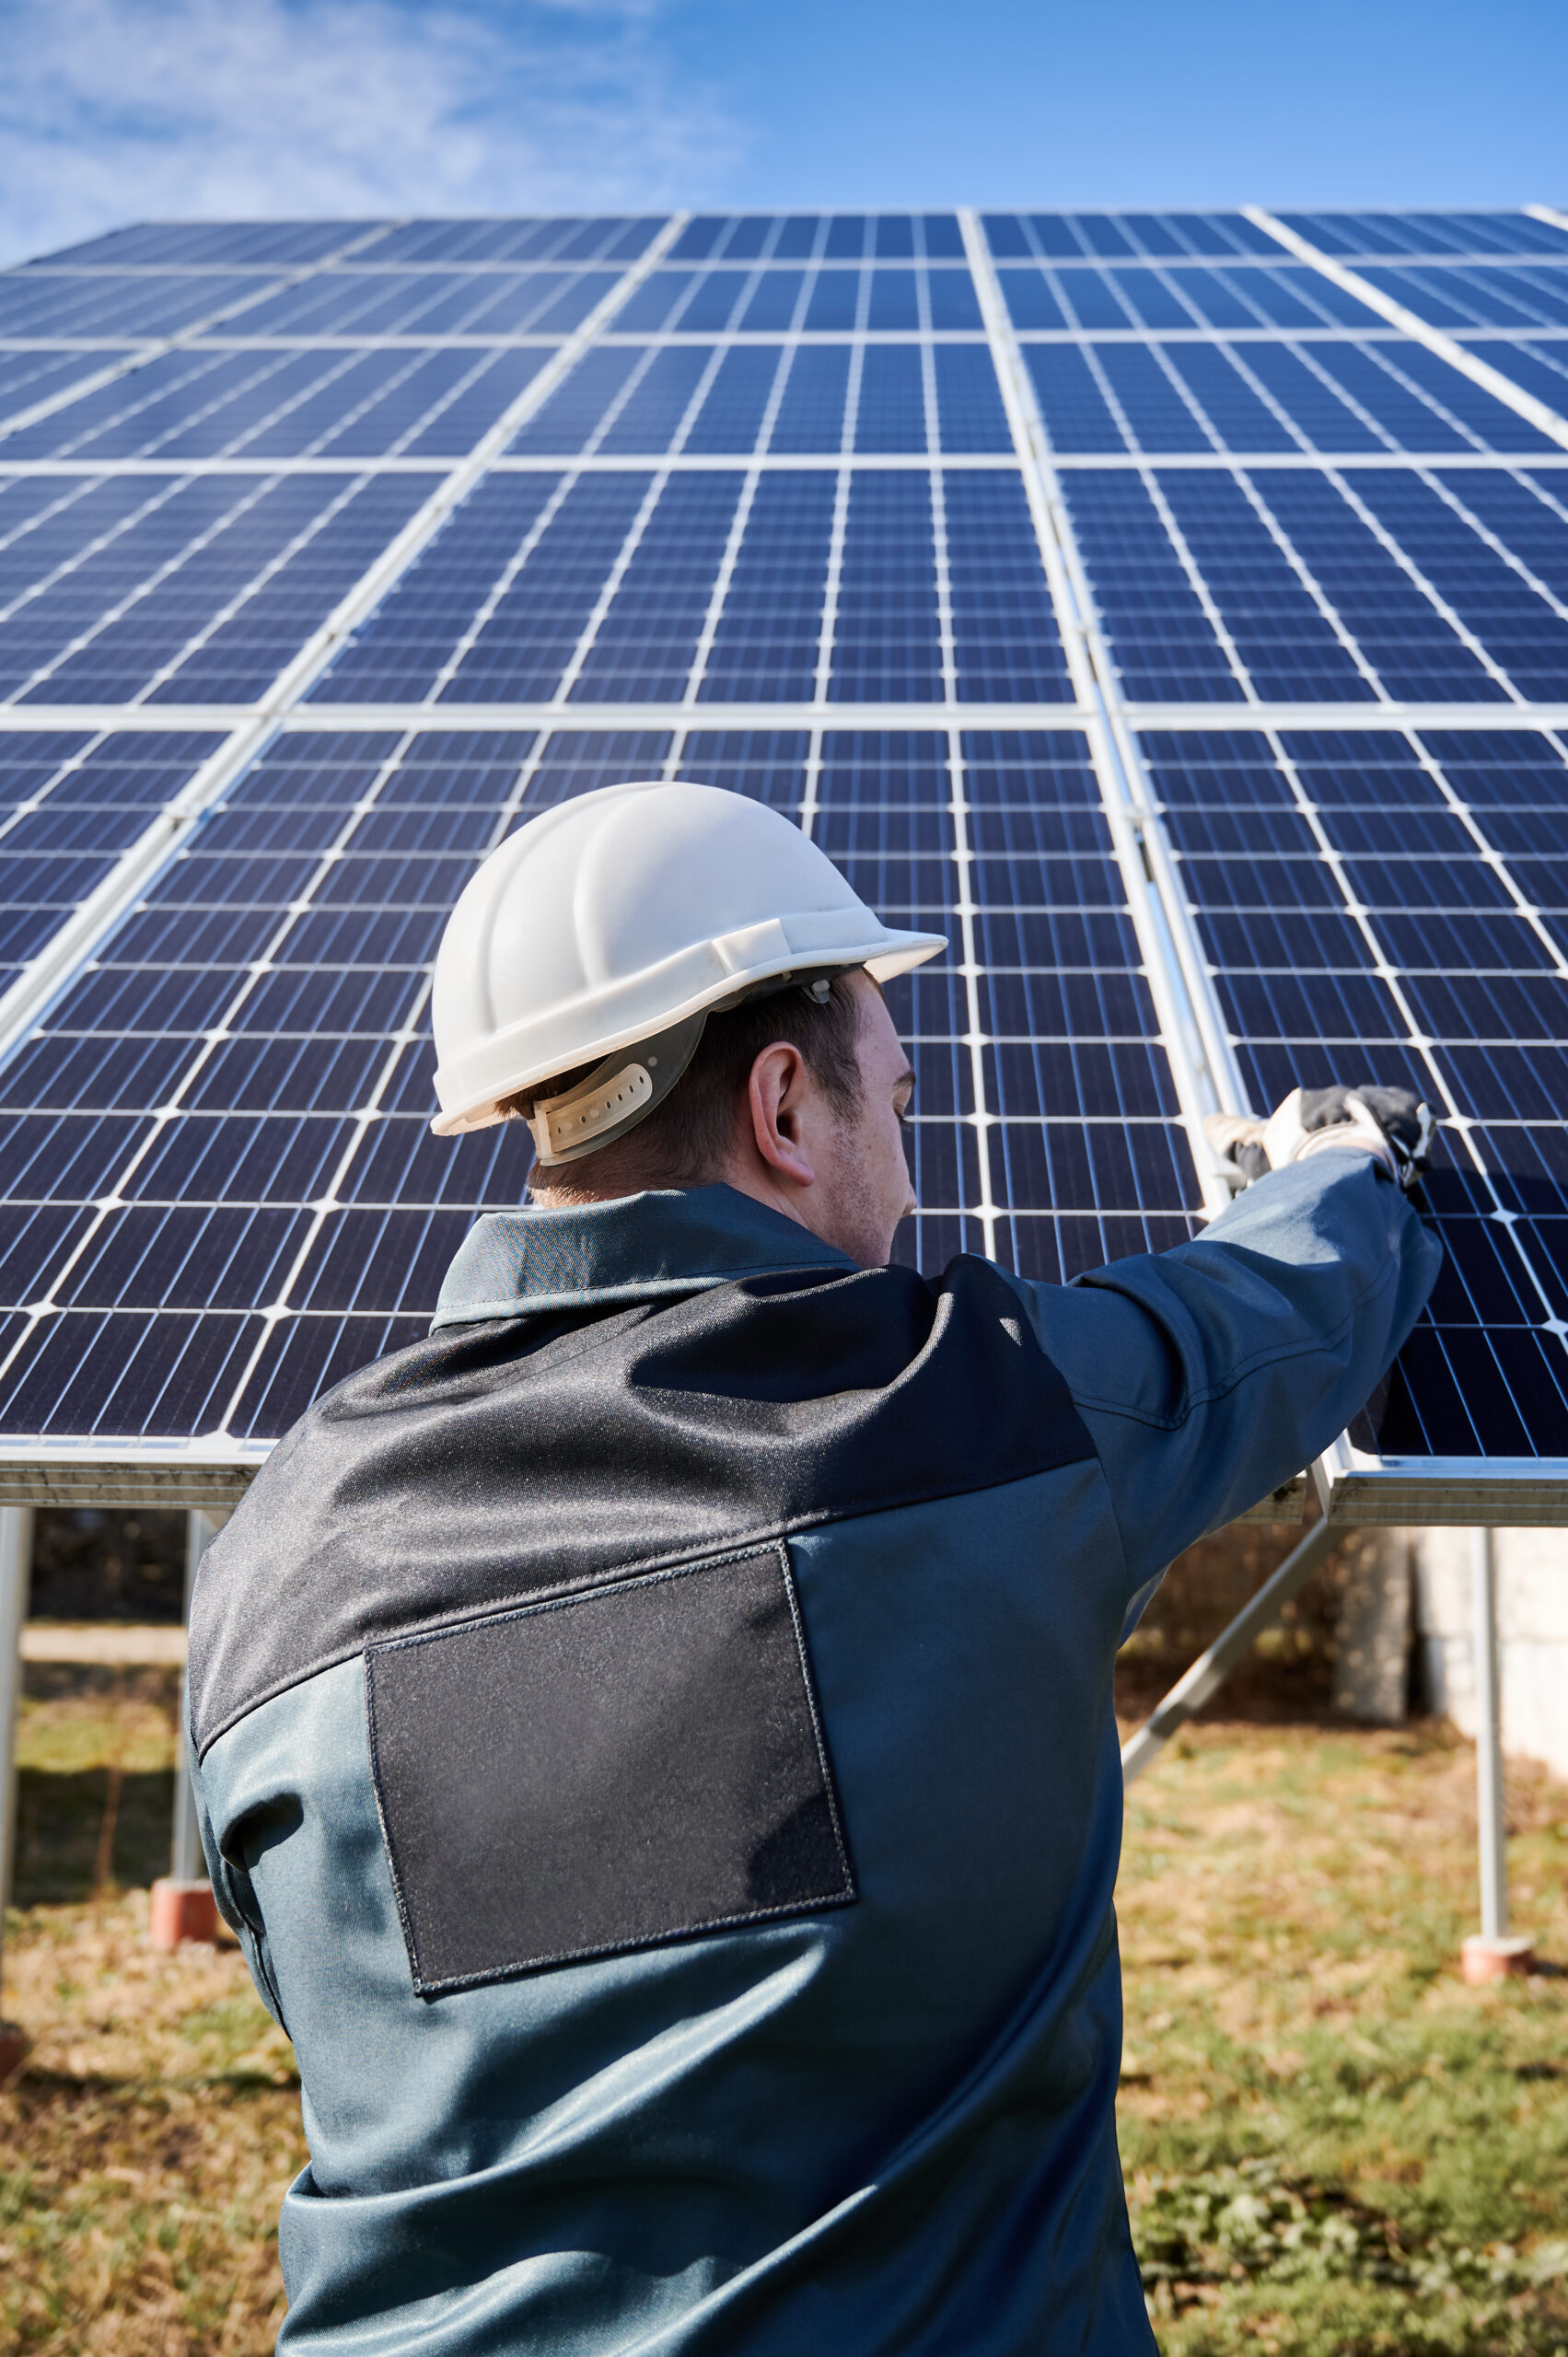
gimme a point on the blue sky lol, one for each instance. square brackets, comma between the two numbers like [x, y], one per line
[120, 110]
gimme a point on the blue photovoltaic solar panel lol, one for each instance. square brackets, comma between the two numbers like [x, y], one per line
[496, 610]
[1359, 235]
[1058, 236]
[386, 402]
[70, 803]
[117, 303]
[348, 302]
[1380, 581]
[1360, 903]
[773, 525]
[27, 377]
[234, 245]
[559, 240]
[699, 400]
[195, 592]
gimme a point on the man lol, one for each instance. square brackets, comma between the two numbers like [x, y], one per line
[656, 1741]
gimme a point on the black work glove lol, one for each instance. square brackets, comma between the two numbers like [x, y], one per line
[1388, 1124]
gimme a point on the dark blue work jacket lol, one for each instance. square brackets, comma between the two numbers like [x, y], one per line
[657, 1750]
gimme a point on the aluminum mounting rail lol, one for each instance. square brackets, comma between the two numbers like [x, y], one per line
[1427, 1493]
[1202, 1065]
[160, 719]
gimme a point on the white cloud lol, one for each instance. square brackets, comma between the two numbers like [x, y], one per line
[115, 111]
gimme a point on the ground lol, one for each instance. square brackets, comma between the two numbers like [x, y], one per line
[1331, 2146]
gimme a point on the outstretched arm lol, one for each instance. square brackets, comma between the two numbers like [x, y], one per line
[1209, 1375]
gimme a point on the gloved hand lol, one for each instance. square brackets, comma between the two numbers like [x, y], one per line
[1388, 1124]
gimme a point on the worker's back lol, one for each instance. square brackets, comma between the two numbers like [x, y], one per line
[657, 1747]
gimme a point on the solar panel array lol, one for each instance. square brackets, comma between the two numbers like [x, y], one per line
[1171, 609]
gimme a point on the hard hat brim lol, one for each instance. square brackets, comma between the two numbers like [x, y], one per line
[472, 1091]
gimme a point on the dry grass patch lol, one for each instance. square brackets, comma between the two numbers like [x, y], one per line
[145, 2147]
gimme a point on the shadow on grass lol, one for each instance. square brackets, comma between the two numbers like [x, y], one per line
[40, 2087]
[71, 1824]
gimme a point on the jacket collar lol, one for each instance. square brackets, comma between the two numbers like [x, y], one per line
[638, 1247]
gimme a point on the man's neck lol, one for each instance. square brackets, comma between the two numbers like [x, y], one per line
[568, 1194]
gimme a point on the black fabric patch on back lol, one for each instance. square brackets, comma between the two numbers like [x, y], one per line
[622, 1767]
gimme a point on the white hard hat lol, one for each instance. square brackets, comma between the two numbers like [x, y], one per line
[619, 920]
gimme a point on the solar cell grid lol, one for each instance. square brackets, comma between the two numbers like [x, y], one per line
[1465, 297]
[765, 641]
[840, 237]
[1540, 367]
[29, 377]
[737, 403]
[1005, 644]
[646, 641]
[136, 412]
[231, 245]
[1062, 297]
[810, 416]
[723, 400]
[554, 239]
[537, 613]
[886, 630]
[1267, 396]
[424, 303]
[1482, 421]
[205, 597]
[1360, 234]
[1240, 399]
[1068, 238]
[829, 298]
[69, 805]
[204, 404]
[543, 578]
[1372, 581]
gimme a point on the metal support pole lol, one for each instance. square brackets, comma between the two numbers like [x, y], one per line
[15, 1577]
[183, 1907]
[1494, 1955]
[1210, 1669]
[1490, 1828]
[186, 1863]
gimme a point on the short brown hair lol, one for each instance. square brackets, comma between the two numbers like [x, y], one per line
[685, 1141]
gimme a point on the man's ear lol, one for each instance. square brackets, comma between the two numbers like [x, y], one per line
[779, 1086]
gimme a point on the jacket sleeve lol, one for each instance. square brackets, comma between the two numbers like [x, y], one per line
[1209, 1373]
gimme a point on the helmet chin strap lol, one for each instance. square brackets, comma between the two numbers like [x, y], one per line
[633, 1081]
[617, 1094]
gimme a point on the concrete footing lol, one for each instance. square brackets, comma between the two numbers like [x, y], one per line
[1481, 1960]
[182, 1911]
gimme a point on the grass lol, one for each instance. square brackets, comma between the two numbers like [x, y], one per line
[145, 2147]
[1333, 2149]
[1331, 2145]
